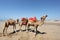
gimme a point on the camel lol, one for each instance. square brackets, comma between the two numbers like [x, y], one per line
[8, 23]
[36, 23]
[24, 22]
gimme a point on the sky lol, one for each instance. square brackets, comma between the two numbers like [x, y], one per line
[30, 8]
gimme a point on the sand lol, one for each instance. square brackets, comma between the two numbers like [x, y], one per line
[48, 31]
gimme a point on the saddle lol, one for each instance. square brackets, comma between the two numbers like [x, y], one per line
[32, 19]
[24, 21]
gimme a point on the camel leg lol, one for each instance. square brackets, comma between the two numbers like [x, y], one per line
[20, 24]
[20, 27]
[36, 30]
[5, 31]
[14, 28]
[25, 27]
[28, 26]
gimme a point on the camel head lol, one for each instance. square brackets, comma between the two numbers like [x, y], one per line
[46, 15]
[43, 17]
[42, 20]
[17, 21]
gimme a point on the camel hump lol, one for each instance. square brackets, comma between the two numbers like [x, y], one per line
[11, 21]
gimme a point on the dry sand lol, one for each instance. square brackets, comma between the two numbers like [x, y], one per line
[49, 31]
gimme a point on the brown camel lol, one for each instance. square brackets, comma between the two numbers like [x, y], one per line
[8, 23]
[37, 23]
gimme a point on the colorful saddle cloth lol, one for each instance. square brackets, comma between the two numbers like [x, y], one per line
[24, 21]
[33, 19]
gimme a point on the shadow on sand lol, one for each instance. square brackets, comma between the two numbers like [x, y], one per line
[38, 32]
[16, 31]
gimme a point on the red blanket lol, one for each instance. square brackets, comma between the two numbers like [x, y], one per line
[33, 19]
[23, 19]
